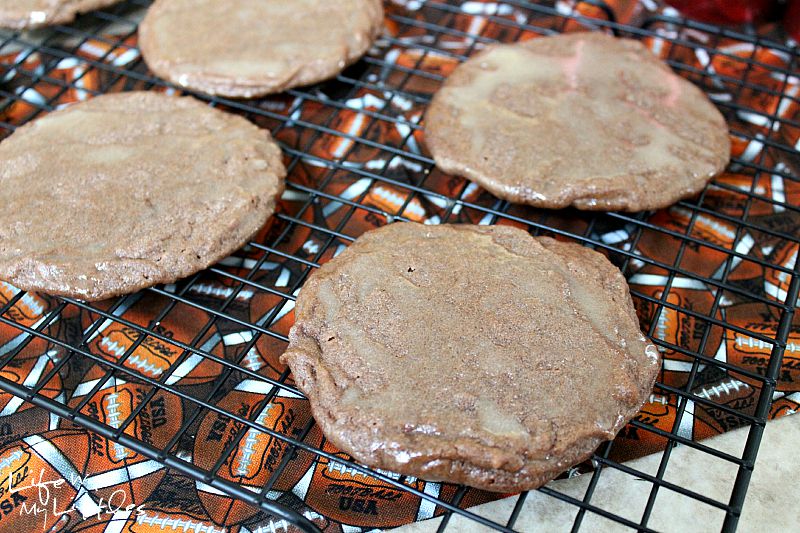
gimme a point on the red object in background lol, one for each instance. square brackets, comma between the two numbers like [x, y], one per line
[791, 20]
[726, 11]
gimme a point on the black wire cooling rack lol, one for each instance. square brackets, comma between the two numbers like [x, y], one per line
[436, 25]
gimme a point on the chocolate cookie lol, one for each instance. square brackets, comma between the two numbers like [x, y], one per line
[128, 190]
[469, 354]
[29, 14]
[244, 49]
[580, 119]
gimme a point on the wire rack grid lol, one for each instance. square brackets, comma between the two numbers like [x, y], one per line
[335, 190]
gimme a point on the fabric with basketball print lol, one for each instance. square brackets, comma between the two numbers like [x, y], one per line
[712, 285]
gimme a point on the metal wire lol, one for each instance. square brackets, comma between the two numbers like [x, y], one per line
[333, 98]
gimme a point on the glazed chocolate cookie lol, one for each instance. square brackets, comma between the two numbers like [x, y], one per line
[29, 14]
[469, 354]
[128, 190]
[244, 49]
[580, 119]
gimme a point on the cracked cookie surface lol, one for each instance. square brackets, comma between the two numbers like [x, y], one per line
[30, 14]
[246, 48]
[128, 190]
[469, 354]
[580, 119]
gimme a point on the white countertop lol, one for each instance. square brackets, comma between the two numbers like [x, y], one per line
[770, 504]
